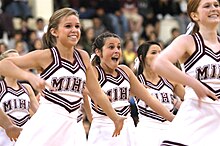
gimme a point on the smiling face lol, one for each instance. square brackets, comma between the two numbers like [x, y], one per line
[68, 31]
[207, 12]
[110, 54]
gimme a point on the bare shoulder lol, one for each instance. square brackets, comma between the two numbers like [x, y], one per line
[185, 41]
[126, 69]
[85, 57]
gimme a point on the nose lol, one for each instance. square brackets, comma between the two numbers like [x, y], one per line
[214, 7]
[117, 50]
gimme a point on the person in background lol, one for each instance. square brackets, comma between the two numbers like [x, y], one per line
[64, 72]
[40, 24]
[167, 92]
[17, 101]
[3, 47]
[197, 121]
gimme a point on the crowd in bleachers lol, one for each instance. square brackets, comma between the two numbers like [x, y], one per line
[135, 20]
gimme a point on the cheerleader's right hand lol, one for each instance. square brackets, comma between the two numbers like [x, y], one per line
[39, 84]
[119, 122]
[13, 132]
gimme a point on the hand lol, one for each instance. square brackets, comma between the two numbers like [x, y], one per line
[13, 132]
[118, 125]
[202, 91]
[39, 84]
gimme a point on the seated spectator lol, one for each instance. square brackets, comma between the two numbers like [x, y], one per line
[18, 8]
[87, 40]
[40, 24]
[98, 26]
[175, 32]
[3, 47]
[129, 53]
[130, 10]
[86, 8]
[17, 38]
[25, 30]
[20, 47]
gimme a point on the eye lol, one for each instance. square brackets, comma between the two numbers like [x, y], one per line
[68, 26]
[77, 26]
[119, 47]
[216, 5]
[154, 52]
[111, 47]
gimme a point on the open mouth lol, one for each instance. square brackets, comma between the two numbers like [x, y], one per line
[115, 59]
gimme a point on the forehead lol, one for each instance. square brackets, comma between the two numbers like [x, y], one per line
[70, 19]
[110, 40]
[154, 48]
[208, 1]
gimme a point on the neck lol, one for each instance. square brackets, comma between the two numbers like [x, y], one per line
[11, 82]
[150, 75]
[108, 70]
[209, 35]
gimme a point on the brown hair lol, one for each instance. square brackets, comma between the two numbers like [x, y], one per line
[192, 6]
[49, 40]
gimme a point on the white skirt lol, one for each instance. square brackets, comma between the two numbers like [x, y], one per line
[194, 125]
[50, 128]
[4, 139]
[149, 131]
[100, 134]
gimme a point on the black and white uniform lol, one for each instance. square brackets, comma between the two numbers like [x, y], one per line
[194, 125]
[16, 104]
[102, 127]
[55, 122]
[151, 124]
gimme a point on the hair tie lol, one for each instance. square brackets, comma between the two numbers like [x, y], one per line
[136, 63]
[45, 28]
[92, 57]
[190, 27]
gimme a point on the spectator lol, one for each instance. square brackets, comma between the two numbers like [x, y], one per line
[18, 8]
[129, 53]
[175, 32]
[87, 40]
[17, 38]
[40, 24]
[3, 47]
[86, 8]
[98, 26]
